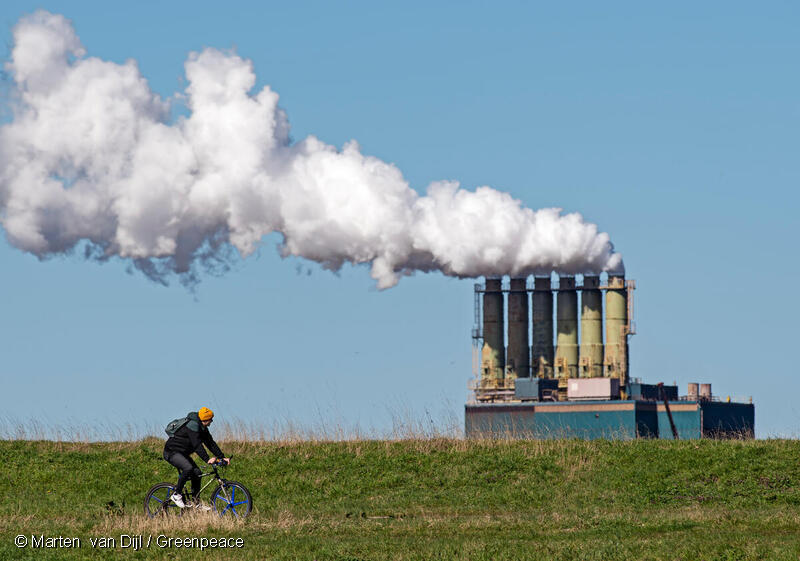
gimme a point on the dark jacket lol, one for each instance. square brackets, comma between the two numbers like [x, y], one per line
[191, 437]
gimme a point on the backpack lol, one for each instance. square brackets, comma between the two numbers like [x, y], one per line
[174, 425]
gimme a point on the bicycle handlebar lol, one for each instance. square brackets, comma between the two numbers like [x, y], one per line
[221, 462]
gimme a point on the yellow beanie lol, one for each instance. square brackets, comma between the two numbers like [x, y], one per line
[205, 414]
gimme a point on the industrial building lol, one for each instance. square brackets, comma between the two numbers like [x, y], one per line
[528, 383]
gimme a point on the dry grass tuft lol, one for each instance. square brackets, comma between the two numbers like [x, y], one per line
[238, 431]
[191, 522]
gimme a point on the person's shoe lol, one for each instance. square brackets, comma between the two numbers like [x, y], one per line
[197, 504]
[177, 498]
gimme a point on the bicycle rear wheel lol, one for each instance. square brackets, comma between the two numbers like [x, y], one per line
[232, 498]
[157, 501]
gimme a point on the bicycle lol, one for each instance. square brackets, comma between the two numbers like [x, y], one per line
[228, 497]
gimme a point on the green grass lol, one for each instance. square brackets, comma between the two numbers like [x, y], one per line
[427, 499]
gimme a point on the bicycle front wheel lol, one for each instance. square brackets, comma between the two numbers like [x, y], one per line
[232, 498]
[157, 501]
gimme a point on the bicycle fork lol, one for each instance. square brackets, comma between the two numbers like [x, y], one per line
[223, 490]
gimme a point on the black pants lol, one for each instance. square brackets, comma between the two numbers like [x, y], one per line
[187, 469]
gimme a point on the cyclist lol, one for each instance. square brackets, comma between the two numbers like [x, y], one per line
[187, 439]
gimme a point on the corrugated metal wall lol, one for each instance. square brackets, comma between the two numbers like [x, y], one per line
[624, 419]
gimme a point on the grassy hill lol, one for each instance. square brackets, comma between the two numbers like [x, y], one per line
[426, 499]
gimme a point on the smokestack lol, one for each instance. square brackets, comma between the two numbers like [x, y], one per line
[567, 337]
[518, 359]
[617, 329]
[591, 328]
[542, 328]
[493, 351]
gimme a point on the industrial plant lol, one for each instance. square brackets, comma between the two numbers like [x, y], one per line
[529, 384]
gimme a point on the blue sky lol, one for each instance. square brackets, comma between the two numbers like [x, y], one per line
[672, 128]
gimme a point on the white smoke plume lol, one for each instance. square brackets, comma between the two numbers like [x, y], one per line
[91, 154]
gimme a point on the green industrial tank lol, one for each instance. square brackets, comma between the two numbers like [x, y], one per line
[567, 326]
[542, 357]
[493, 351]
[616, 358]
[518, 355]
[591, 350]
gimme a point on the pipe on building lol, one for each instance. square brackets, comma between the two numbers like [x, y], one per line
[591, 349]
[616, 358]
[566, 363]
[518, 355]
[493, 351]
[542, 347]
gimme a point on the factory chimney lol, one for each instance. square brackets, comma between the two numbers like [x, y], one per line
[493, 351]
[567, 327]
[542, 365]
[617, 328]
[591, 362]
[518, 357]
